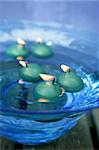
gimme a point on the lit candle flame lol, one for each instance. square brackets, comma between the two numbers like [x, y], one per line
[23, 63]
[46, 77]
[20, 41]
[65, 68]
[39, 40]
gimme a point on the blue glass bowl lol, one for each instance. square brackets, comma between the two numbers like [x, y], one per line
[41, 123]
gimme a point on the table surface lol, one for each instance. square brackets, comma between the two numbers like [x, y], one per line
[79, 138]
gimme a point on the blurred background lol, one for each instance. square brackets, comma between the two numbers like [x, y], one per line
[80, 13]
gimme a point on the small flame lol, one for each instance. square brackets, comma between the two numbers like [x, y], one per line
[20, 41]
[39, 40]
[46, 77]
[65, 68]
[23, 63]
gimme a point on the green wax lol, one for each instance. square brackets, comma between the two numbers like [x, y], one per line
[17, 50]
[42, 50]
[48, 91]
[31, 72]
[71, 82]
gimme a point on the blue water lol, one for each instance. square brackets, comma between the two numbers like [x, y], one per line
[77, 49]
[40, 123]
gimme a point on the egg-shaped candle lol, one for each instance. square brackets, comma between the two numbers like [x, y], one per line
[48, 90]
[69, 80]
[18, 50]
[42, 50]
[30, 71]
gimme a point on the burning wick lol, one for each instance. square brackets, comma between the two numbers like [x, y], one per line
[21, 42]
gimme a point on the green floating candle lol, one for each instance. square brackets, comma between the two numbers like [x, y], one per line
[30, 72]
[42, 50]
[48, 91]
[18, 51]
[69, 80]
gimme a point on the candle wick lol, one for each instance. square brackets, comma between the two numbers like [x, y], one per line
[69, 69]
[53, 81]
[26, 63]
